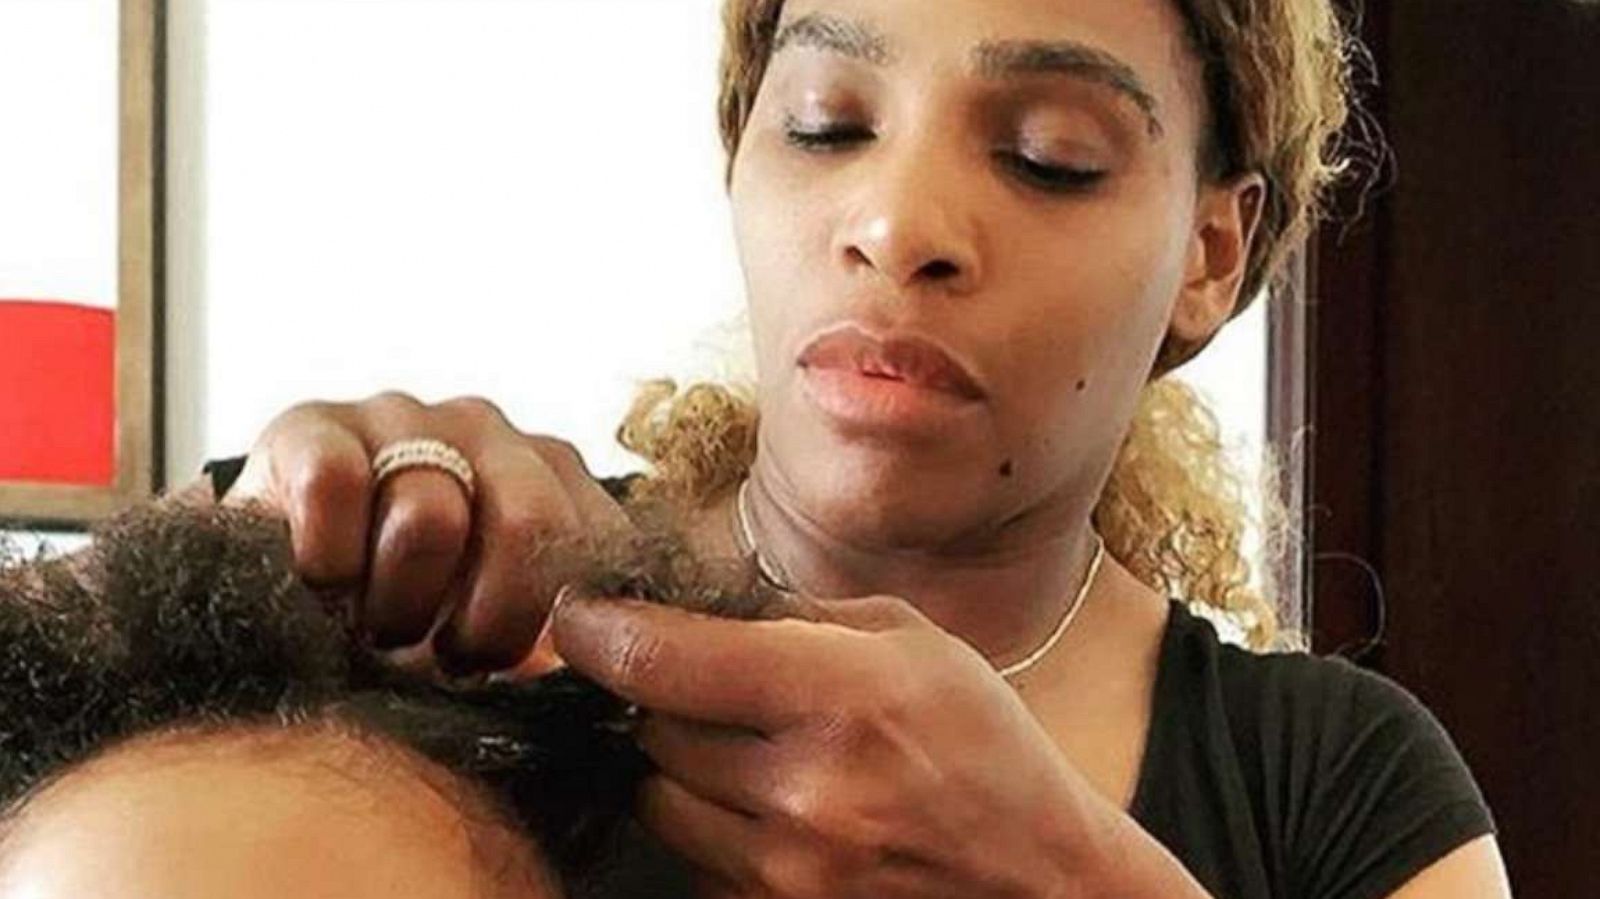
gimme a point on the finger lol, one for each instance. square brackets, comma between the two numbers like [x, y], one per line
[733, 767]
[321, 474]
[720, 841]
[521, 503]
[423, 519]
[541, 660]
[598, 510]
[757, 674]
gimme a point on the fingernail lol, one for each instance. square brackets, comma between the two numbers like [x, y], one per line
[581, 627]
[563, 595]
[576, 605]
[566, 596]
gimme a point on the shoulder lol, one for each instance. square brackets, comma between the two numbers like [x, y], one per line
[1296, 693]
[1356, 785]
[1296, 696]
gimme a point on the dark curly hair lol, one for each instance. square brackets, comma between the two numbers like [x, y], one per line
[191, 620]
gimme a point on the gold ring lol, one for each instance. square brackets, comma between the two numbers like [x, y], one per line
[402, 455]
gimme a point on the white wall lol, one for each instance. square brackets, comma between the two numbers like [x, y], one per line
[58, 182]
[514, 199]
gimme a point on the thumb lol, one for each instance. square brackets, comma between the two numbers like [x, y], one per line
[870, 614]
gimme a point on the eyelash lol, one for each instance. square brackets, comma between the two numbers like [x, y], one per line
[1044, 176]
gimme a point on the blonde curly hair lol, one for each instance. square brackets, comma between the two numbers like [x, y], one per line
[1277, 82]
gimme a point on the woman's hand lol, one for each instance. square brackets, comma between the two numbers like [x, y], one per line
[864, 753]
[415, 548]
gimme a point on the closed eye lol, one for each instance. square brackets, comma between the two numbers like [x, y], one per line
[824, 138]
[1048, 176]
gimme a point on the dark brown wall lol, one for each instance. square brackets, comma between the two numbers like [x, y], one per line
[1456, 400]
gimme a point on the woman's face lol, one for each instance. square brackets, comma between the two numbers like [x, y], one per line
[1010, 181]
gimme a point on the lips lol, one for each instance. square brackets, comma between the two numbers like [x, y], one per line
[910, 360]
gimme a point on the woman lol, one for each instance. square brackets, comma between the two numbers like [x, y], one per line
[973, 242]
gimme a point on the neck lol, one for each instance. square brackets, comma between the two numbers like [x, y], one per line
[1004, 599]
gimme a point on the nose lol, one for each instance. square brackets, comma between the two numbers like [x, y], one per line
[910, 224]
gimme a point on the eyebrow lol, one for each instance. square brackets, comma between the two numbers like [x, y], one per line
[1009, 59]
[856, 40]
[991, 59]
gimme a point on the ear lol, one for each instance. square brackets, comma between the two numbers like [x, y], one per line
[1219, 252]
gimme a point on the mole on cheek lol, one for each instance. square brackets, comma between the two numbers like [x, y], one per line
[1007, 469]
[1082, 386]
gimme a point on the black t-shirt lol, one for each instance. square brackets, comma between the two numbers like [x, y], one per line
[1288, 775]
[1267, 775]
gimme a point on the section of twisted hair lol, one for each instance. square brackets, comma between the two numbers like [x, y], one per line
[192, 618]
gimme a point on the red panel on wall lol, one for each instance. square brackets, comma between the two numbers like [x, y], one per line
[57, 393]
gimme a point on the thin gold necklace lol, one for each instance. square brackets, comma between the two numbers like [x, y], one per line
[778, 580]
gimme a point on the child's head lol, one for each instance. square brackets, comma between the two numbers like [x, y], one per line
[180, 716]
